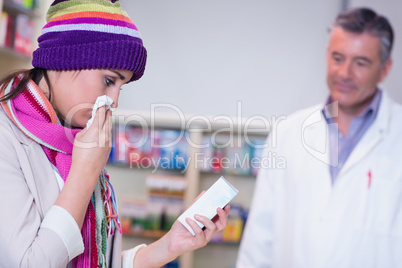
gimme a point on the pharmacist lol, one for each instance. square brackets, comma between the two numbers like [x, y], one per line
[338, 201]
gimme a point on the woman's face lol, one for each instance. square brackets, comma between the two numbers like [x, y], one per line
[74, 93]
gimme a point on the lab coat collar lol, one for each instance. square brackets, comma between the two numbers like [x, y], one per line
[315, 133]
[373, 135]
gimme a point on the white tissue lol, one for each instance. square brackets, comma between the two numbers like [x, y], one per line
[218, 195]
[100, 101]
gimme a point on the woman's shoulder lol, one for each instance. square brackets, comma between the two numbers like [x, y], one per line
[5, 126]
[9, 131]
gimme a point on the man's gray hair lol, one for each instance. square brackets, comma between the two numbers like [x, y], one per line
[365, 20]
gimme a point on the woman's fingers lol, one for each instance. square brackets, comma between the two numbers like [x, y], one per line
[218, 223]
[108, 128]
[102, 126]
[209, 226]
[100, 117]
[108, 122]
[222, 220]
[200, 237]
[181, 240]
[196, 228]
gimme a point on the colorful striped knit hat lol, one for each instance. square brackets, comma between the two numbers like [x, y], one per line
[90, 34]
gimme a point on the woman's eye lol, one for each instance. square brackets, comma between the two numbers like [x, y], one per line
[109, 82]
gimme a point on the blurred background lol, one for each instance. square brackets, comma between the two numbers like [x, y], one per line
[204, 56]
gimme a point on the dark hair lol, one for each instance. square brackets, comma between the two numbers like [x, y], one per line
[34, 74]
[365, 20]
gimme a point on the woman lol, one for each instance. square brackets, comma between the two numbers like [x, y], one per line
[59, 207]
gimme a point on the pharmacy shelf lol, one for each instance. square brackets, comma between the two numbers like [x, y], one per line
[197, 127]
[16, 8]
[10, 59]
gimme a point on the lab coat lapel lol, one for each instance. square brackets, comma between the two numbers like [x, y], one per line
[372, 137]
[315, 136]
[316, 142]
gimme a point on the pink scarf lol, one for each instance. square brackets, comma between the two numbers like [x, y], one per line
[34, 115]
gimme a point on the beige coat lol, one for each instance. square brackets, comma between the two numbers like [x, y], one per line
[28, 189]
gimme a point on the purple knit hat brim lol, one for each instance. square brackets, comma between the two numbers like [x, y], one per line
[77, 50]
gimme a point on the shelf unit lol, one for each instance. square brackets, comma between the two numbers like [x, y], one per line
[10, 59]
[196, 126]
[16, 8]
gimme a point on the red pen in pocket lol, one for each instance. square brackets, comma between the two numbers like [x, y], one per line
[369, 179]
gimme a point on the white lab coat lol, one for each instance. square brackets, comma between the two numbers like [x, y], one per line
[300, 219]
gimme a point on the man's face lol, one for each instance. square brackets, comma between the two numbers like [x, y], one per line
[354, 69]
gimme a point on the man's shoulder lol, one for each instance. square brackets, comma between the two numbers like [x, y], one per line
[298, 118]
[306, 112]
[396, 107]
[392, 110]
[288, 131]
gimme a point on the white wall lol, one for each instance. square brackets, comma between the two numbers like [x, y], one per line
[204, 56]
[392, 10]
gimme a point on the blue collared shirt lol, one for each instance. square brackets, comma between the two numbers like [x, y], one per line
[340, 147]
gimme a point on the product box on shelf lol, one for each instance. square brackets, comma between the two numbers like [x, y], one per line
[134, 215]
[238, 156]
[173, 148]
[203, 158]
[10, 31]
[143, 148]
[164, 203]
[120, 145]
[139, 148]
[3, 28]
[24, 30]
[165, 200]
[258, 146]
[234, 229]
[27, 4]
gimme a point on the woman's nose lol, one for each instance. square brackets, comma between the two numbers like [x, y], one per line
[114, 95]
